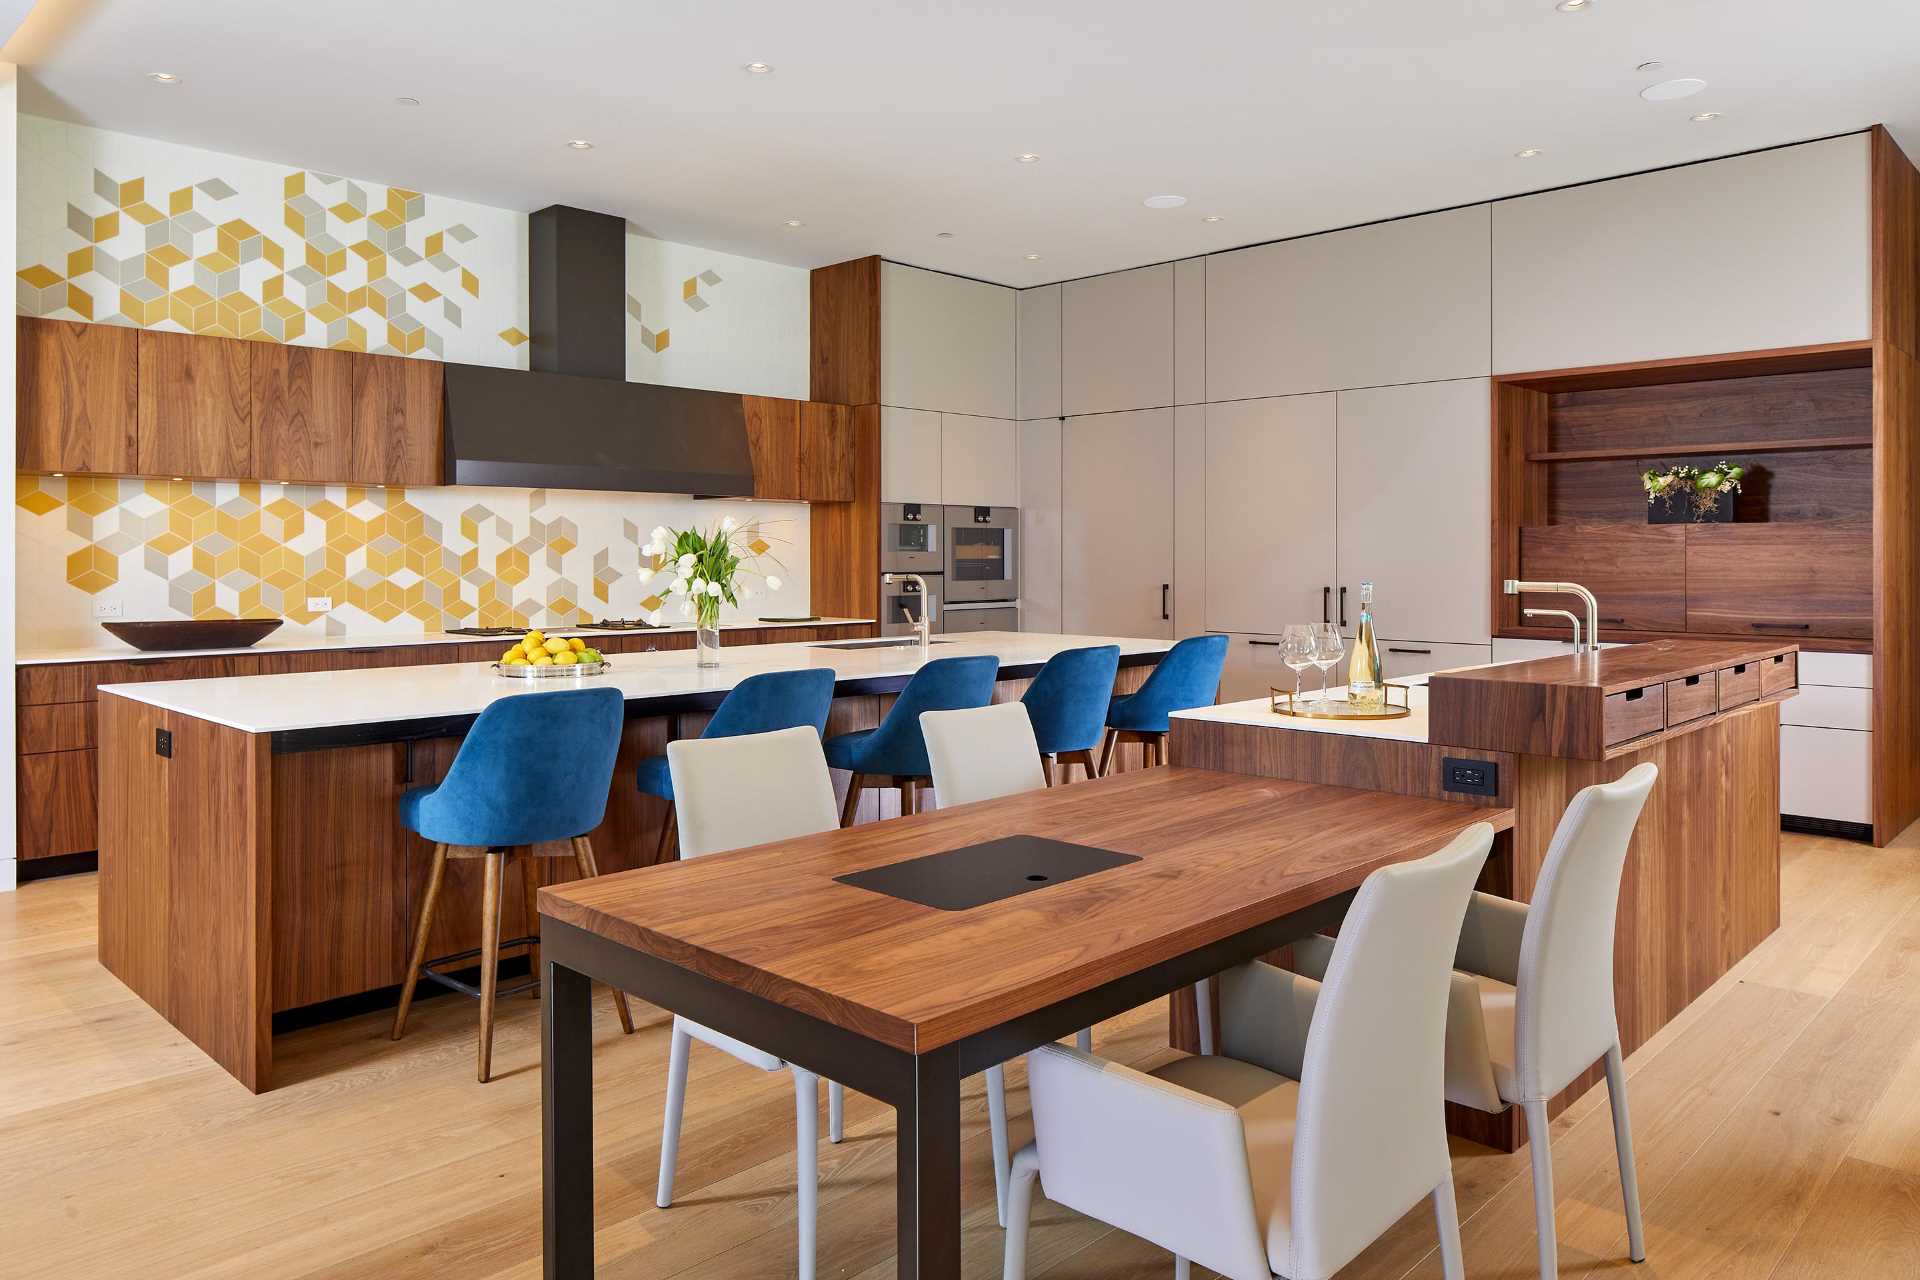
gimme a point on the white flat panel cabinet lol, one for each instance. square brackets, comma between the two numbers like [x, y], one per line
[1270, 525]
[1039, 545]
[1826, 773]
[1190, 331]
[1403, 658]
[1401, 301]
[1764, 250]
[1116, 341]
[1827, 706]
[979, 461]
[1116, 524]
[1189, 519]
[1254, 668]
[910, 456]
[1414, 508]
[1850, 670]
[946, 343]
[1039, 352]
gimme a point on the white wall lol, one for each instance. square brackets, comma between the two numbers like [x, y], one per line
[9, 152]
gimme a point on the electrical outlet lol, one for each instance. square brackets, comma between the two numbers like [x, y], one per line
[319, 604]
[1470, 777]
[109, 607]
[163, 743]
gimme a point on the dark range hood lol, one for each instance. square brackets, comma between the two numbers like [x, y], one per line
[574, 421]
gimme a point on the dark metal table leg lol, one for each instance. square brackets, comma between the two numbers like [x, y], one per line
[929, 1170]
[566, 1106]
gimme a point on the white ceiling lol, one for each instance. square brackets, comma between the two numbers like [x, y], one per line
[886, 121]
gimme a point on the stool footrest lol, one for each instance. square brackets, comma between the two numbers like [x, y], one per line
[428, 971]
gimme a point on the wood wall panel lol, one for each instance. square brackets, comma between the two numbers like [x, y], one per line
[845, 327]
[1519, 486]
[195, 406]
[1896, 595]
[1637, 571]
[844, 560]
[77, 397]
[1340, 760]
[1780, 406]
[1827, 484]
[1896, 245]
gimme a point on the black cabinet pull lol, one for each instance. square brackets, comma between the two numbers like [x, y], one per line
[1266, 644]
[1343, 606]
[1617, 621]
[1391, 649]
[1326, 604]
[1164, 588]
[1784, 626]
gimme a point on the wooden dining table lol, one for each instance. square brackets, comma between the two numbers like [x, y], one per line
[902, 1001]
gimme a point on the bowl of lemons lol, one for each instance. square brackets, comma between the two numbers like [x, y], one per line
[540, 656]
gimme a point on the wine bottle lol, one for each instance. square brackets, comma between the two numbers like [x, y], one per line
[1366, 680]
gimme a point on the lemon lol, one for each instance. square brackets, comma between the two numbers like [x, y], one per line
[510, 655]
[542, 661]
[518, 662]
[576, 643]
[556, 646]
[565, 658]
[533, 638]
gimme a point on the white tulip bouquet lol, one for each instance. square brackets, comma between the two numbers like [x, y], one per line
[706, 568]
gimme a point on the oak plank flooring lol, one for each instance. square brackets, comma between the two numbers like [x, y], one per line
[130, 1153]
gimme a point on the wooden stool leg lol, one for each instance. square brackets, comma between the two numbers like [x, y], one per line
[906, 798]
[496, 860]
[853, 800]
[583, 854]
[1106, 753]
[530, 895]
[432, 900]
[668, 825]
[1046, 768]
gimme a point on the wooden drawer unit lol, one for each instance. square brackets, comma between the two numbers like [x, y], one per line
[1739, 685]
[1691, 697]
[55, 726]
[59, 804]
[1634, 713]
[1778, 674]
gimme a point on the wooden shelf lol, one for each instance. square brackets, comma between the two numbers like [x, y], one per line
[1800, 444]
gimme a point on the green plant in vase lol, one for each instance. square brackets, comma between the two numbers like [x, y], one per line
[1711, 485]
[1663, 486]
[706, 571]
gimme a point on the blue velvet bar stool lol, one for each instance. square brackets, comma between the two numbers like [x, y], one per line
[502, 797]
[1067, 703]
[766, 703]
[1188, 677]
[895, 754]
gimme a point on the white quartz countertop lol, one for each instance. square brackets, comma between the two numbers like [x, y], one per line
[1258, 713]
[111, 650]
[332, 699]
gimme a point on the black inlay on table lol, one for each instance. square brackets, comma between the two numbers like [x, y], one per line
[962, 879]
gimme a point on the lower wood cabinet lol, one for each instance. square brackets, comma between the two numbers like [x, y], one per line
[59, 804]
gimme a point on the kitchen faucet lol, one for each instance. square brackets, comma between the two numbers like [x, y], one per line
[1514, 586]
[1568, 614]
[922, 626]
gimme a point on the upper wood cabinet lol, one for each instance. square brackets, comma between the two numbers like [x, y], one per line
[1116, 349]
[77, 397]
[802, 451]
[826, 452]
[303, 413]
[946, 343]
[773, 438]
[1402, 301]
[1743, 254]
[195, 406]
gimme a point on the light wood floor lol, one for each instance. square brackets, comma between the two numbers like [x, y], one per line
[1778, 1126]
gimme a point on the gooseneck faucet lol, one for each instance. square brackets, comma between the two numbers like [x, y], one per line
[923, 625]
[1568, 614]
[1514, 586]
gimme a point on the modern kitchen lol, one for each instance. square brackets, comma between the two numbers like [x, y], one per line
[603, 690]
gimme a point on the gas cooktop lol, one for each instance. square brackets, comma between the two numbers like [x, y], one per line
[604, 624]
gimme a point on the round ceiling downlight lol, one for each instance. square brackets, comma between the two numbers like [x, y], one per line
[1164, 202]
[1669, 90]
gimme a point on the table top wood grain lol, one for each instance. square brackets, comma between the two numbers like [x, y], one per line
[1220, 853]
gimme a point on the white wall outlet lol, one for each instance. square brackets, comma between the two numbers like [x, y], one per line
[319, 604]
[108, 607]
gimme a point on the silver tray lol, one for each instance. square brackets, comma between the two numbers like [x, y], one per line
[531, 672]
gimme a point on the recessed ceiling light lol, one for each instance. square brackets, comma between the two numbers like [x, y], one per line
[1027, 157]
[1212, 217]
[1703, 117]
[1527, 154]
[407, 102]
[1652, 65]
[163, 77]
[757, 68]
[943, 235]
[1668, 90]
[1573, 6]
[580, 144]
[1164, 202]
[1033, 257]
[795, 222]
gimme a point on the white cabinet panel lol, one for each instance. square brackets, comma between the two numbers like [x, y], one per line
[1854, 670]
[1254, 668]
[1414, 481]
[1825, 706]
[1763, 250]
[1505, 650]
[1039, 340]
[1826, 773]
[1190, 331]
[1270, 512]
[1189, 519]
[1116, 524]
[1039, 545]
[979, 461]
[946, 343]
[1402, 301]
[1403, 658]
[1116, 341]
[909, 456]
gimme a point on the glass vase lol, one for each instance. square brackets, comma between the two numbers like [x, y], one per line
[707, 636]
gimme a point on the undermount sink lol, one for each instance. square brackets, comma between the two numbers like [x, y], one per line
[888, 642]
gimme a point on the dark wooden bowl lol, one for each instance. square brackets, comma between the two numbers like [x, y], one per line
[189, 633]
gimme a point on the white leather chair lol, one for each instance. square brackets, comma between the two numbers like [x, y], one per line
[732, 793]
[1317, 1126]
[1531, 1006]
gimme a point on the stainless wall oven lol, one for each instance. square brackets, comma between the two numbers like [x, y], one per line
[910, 540]
[981, 560]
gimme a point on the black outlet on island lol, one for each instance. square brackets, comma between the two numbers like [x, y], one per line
[163, 743]
[1470, 777]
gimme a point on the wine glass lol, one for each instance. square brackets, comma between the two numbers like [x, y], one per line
[1296, 650]
[1328, 649]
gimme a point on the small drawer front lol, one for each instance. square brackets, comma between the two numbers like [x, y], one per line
[1778, 674]
[1635, 713]
[1691, 698]
[56, 726]
[1739, 685]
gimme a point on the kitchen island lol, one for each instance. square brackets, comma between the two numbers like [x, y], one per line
[1702, 881]
[252, 861]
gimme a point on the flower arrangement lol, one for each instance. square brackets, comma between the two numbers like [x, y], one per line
[706, 568]
[1702, 488]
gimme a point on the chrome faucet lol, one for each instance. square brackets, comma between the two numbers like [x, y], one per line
[923, 625]
[1568, 614]
[1513, 587]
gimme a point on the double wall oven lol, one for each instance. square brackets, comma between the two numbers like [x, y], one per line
[968, 558]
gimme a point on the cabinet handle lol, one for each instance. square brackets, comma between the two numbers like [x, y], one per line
[1392, 649]
[1616, 621]
[1343, 606]
[1785, 626]
[1164, 588]
[1265, 644]
[1326, 604]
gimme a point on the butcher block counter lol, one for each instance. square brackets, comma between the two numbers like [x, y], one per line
[1702, 881]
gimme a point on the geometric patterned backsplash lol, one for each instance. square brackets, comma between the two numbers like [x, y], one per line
[392, 560]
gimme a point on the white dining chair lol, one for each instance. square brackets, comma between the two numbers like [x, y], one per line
[732, 793]
[1531, 1007]
[1317, 1126]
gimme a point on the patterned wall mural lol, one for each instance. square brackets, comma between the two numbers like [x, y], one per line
[117, 229]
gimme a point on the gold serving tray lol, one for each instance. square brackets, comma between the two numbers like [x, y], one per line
[575, 671]
[1285, 704]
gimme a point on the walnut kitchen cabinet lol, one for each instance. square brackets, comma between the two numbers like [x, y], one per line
[78, 396]
[322, 416]
[195, 398]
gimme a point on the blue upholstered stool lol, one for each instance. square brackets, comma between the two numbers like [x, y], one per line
[895, 755]
[764, 703]
[1189, 676]
[535, 768]
[1067, 703]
